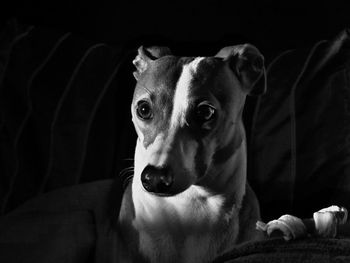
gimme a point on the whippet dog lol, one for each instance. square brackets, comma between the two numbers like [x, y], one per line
[189, 199]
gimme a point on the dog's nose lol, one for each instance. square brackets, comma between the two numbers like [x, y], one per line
[157, 180]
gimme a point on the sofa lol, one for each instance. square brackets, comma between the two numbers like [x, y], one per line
[66, 137]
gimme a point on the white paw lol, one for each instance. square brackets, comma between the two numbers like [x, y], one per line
[290, 226]
[327, 220]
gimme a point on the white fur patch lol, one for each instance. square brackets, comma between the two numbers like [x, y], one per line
[183, 86]
[188, 212]
[195, 205]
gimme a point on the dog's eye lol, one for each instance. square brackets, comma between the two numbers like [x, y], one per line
[205, 112]
[144, 110]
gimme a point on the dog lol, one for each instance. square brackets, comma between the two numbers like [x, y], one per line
[189, 200]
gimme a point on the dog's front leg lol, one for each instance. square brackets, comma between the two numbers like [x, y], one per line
[325, 223]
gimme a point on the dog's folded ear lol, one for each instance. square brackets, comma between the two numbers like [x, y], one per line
[248, 64]
[145, 56]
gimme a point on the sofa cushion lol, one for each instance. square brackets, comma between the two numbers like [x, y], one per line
[299, 153]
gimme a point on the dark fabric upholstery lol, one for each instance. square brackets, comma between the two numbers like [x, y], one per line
[278, 250]
[64, 115]
[299, 149]
[73, 224]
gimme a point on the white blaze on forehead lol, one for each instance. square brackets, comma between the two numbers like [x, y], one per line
[183, 86]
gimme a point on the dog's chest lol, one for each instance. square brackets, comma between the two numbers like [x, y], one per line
[189, 229]
[163, 248]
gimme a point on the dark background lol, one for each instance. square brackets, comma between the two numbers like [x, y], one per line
[271, 25]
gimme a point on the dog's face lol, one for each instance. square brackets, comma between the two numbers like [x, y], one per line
[187, 115]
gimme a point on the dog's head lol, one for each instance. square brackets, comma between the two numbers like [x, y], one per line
[187, 114]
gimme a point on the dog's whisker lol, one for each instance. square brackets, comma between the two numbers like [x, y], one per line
[126, 171]
[126, 175]
[128, 168]
[129, 177]
[131, 169]
[126, 180]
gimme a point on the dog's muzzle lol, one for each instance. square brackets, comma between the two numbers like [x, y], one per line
[157, 180]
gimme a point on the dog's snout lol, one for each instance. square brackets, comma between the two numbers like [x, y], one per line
[157, 180]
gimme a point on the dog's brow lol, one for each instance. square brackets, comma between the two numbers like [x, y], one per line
[143, 87]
